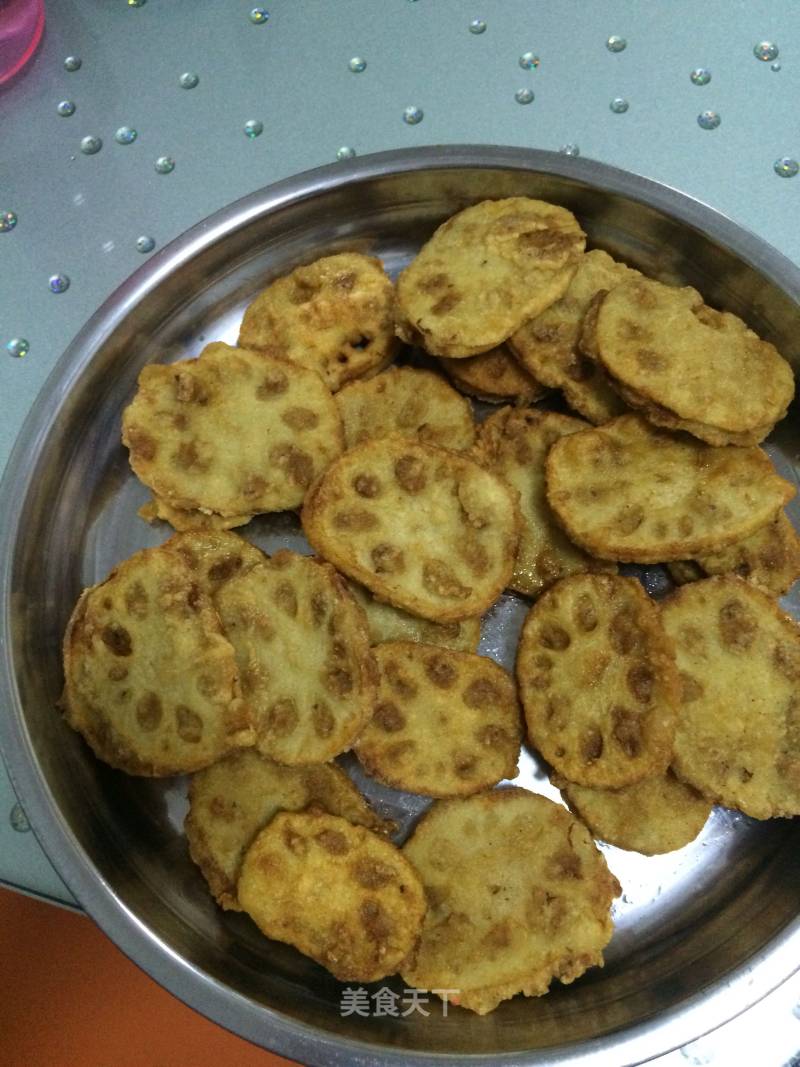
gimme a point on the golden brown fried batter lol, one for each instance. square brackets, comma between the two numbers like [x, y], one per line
[446, 723]
[648, 336]
[518, 894]
[630, 492]
[230, 434]
[494, 376]
[232, 800]
[514, 443]
[340, 894]
[333, 316]
[428, 530]
[598, 682]
[415, 403]
[738, 735]
[151, 681]
[653, 816]
[303, 651]
[484, 272]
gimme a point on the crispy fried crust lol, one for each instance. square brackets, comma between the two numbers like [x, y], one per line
[415, 403]
[548, 345]
[214, 556]
[589, 390]
[333, 316]
[653, 816]
[303, 651]
[648, 336]
[518, 894]
[660, 416]
[151, 682]
[630, 492]
[738, 736]
[494, 376]
[514, 443]
[428, 530]
[342, 895]
[230, 802]
[598, 682]
[484, 272]
[182, 519]
[769, 558]
[446, 723]
[230, 434]
[386, 623]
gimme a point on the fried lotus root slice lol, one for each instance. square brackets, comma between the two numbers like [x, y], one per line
[518, 894]
[340, 894]
[415, 403]
[598, 681]
[549, 345]
[769, 558]
[656, 815]
[230, 434]
[446, 723]
[232, 800]
[386, 623]
[630, 492]
[187, 520]
[333, 316]
[214, 556]
[303, 651]
[648, 336]
[428, 530]
[738, 735]
[484, 272]
[514, 443]
[493, 376]
[151, 681]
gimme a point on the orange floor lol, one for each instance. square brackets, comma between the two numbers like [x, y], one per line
[71, 999]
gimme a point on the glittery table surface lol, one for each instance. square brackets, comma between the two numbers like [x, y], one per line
[167, 110]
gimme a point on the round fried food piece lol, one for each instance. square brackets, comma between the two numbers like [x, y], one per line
[769, 558]
[653, 816]
[484, 272]
[630, 492]
[151, 681]
[303, 651]
[340, 894]
[232, 800]
[738, 735]
[548, 345]
[333, 316]
[494, 376]
[598, 681]
[514, 443]
[186, 520]
[415, 403]
[232, 433]
[386, 623]
[428, 530]
[446, 723]
[518, 894]
[648, 336]
[660, 416]
[214, 556]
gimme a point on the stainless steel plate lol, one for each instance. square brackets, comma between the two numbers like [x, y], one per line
[700, 934]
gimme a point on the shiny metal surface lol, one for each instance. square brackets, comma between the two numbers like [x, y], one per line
[700, 934]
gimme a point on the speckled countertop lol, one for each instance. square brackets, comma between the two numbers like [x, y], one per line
[136, 119]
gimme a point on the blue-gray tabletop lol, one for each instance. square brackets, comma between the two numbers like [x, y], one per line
[138, 118]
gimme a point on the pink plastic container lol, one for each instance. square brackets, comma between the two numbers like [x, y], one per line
[21, 26]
